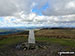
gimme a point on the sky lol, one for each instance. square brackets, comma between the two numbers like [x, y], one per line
[28, 13]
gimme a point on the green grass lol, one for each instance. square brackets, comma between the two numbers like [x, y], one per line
[12, 40]
[3, 30]
[16, 39]
[66, 42]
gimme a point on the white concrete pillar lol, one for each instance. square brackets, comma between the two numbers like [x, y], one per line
[31, 38]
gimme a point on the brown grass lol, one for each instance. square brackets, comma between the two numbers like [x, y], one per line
[57, 33]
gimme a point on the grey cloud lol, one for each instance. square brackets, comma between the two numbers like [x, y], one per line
[60, 7]
[7, 8]
[12, 7]
[55, 7]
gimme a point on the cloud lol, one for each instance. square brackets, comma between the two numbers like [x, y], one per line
[60, 7]
[39, 21]
[55, 7]
[54, 13]
[12, 7]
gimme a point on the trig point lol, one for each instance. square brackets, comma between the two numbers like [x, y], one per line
[31, 38]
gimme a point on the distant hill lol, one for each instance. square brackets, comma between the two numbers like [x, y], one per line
[45, 32]
[10, 32]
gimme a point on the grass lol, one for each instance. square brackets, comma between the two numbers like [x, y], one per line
[66, 42]
[16, 39]
[57, 33]
[3, 30]
[12, 40]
